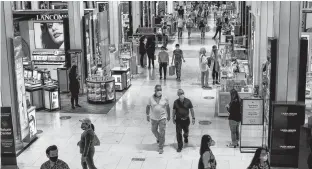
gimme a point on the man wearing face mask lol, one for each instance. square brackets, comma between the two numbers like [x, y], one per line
[54, 162]
[86, 144]
[158, 111]
[180, 116]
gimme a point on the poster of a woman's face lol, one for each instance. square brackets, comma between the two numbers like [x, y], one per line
[49, 35]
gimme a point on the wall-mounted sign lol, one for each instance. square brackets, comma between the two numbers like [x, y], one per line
[252, 112]
[47, 17]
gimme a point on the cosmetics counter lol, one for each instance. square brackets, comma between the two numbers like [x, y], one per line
[100, 89]
[41, 90]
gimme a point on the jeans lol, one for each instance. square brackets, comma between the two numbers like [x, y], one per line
[204, 78]
[89, 163]
[234, 127]
[218, 30]
[202, 32]
[163, 66]
[159, 131]
[182, 125]
[180, 32]
[74, 98]
[215, 76]
[150, 59]
[142, 59]
[178, 66]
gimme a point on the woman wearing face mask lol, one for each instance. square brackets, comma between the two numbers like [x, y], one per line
[52, 35]
[260, 160]
[207, 159]
[234, 109]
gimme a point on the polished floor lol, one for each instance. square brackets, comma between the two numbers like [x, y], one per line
[125, 134]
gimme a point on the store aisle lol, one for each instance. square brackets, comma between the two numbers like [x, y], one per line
[125, 133]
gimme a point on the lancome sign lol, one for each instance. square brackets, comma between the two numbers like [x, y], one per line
[47, 17]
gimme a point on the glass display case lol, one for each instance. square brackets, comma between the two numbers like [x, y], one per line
[100, 89]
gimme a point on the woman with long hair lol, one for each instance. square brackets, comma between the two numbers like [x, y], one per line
[234, 109]
[204, 67]
[207, 159]
[52, 36]
[74, 86]
[150, 50]
[260, 160]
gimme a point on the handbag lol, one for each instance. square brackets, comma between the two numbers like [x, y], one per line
[171, 70]
[96, 141]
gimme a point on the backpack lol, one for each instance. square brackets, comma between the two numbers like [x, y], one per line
[96, 140]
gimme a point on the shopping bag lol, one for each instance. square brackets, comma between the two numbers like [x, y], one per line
[171, 70]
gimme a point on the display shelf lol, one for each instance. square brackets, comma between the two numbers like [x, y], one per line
[101, 89]
[122, 77]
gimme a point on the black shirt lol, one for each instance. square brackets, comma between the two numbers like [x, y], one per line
[182, 108]
[235, 111]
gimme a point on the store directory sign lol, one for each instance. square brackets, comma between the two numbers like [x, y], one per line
[252, 112]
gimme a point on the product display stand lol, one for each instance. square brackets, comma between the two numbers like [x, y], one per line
[35, 95]
[100, 90]
[51, 98]
[122, 78]
[252, 123]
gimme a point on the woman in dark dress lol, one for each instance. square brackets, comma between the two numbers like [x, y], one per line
[234, 109]
[260, 160]
[74, 86]
[207, 159]
[142, 50]
[150, 50]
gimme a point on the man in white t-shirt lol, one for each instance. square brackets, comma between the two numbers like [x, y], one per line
[158, 111]
[180, 26]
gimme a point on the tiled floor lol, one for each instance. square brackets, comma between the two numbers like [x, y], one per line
[125, 133]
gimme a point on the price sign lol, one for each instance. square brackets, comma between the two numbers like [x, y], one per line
[252, 112]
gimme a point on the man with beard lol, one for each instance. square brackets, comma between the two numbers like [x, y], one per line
[54, 162]
[180, 116]
[159, 110]
[86, 144]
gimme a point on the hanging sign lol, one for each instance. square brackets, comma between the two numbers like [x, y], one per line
[252, 112]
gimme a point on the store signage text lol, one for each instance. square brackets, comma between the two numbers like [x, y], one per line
[45, 17]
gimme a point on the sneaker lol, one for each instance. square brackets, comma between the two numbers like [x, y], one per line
[160, 78]
[185, 140]
[179, 150]
[231, 145]
[73, 107]
[77, 105]
[161, 151]
[165, 78]
[157, 141]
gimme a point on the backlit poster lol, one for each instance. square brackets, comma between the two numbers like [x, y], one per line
[49, 35]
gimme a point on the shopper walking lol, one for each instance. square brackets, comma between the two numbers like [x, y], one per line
[202, 28]
[150, 50]
[204, 65]
[158, 110]
[142, 50]
[177, 58]
[260, 160]
[207, 159]
[181, 12]
[189, 26]
[180, 27]
[218, 28]
[234, 109]
[181, 117]
[74, 86]
[216, 60]
[53, 162]
[163, 60]
[86, 145]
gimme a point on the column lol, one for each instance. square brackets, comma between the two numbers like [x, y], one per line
[8, 96]
[75, 14]
[136, 15]
[169, 6]
[287, 22]
[152, 8]
[114, 22]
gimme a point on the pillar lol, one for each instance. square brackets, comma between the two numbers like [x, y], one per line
[152, 8]
[114, 22]
[287, 22]
[75, 15]
[136, 15]
[169, 6]
[8, 96]
[256, 55]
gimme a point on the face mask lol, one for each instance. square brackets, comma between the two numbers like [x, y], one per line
[264, 158]
[83, 127]
[158, 93]
[53, 159]
[181, 96]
